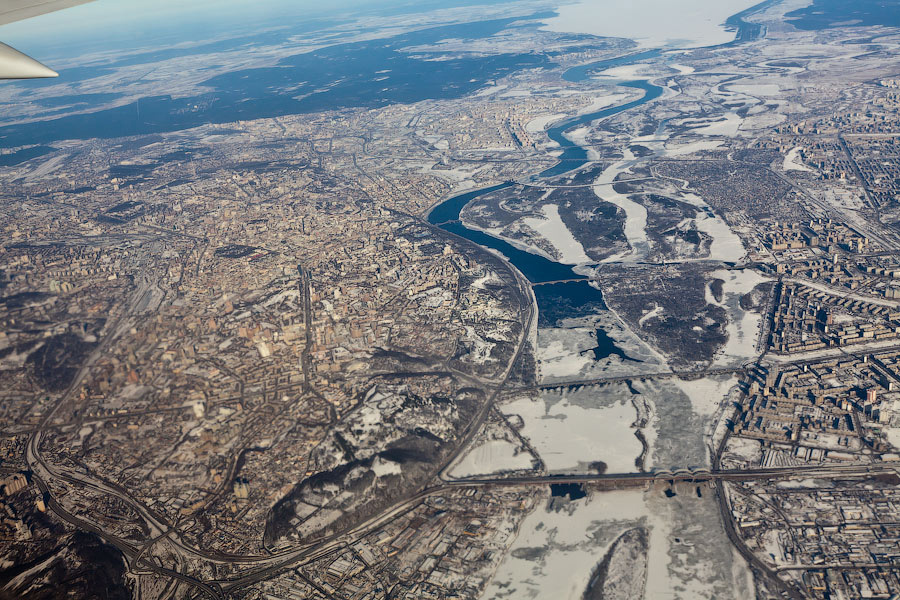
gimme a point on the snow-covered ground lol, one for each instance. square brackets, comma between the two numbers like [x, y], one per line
[539, 124]
[676, 432]
[757, 89]
[598, 103]
[743, 326]
[635, 223]
[893, 436]
[565, 353]
[560, 544]
[557, 549]
[493, 89]
[651, 314]
[792, 161]
[569, 430]
[627, 72]
[635, 214]
[493, 456]
[690, 147]
[652, 23]
[726, 245]
[707, 394]
[552, 229]
[728, 126]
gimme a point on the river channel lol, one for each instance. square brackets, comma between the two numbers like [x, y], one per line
[574, 295]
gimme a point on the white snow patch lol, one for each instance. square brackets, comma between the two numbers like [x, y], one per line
[598, 103]
[757, 89]
[539, 124]
[552, 229]
[792, 161]
[383, 467]
[893, 436]
[492, 456]
[706, 394]
[726, 244]
[568, 545]
[490, 90]
[650, 314]
[652, 23]
[557, 360]
[692, 147]
[567, 436]
[743, 326]
[727, 127]
[635, 214]
[625, 71]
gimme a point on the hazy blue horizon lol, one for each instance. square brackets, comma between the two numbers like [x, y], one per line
[128, 25]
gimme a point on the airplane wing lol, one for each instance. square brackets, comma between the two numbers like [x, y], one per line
[14, 64]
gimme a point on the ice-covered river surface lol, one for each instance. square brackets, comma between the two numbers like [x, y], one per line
[688, 554]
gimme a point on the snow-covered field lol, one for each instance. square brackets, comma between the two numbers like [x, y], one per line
[560, 544]
[728, 126]
[757, 89]
[635, 223]
[893, 436]
[539, 124]
[726, 245]
[627, 72]
[676, 432]
[690, 147]
[552, 229]
[707, 394]
[792, 161]
[557, 549]
[564, 353]
[652, 23]
[598, 103]
[569, 430]
[493, 456]
[635, 214]
[743, 326]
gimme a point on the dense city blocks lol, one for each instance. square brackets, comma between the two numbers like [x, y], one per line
[513, 300]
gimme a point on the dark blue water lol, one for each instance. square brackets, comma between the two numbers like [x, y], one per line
[332, 78]
[747, 31]
[450, 209]
[606, 346]
[536, 268]
[825, 14]
[575, 156]
[571, 299]
[575, 491]
[15, 158]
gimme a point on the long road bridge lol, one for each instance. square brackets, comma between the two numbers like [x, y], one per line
[572, 383]
[686, 475]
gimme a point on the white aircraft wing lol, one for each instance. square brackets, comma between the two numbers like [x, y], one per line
[14, 64]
